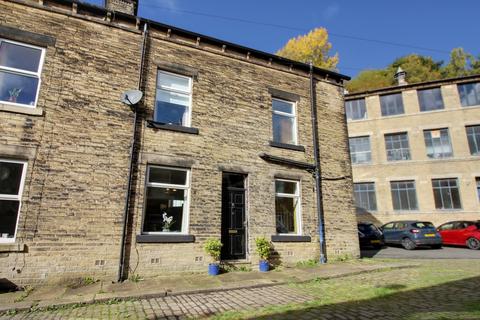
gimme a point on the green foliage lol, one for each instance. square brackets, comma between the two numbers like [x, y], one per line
[307, 263]
[419, 69]
[89, 280]
[135, 277]
[313, 47]
[26, 292]
[213, 248]
[263, 247]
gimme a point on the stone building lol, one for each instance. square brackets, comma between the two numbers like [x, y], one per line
[223, 147]
[415, 150]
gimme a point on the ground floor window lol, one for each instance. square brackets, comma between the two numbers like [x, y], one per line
[477, 179]
[365, 199]
[287, 206]
[446, 194]
[404, 195]
[12, 177]
[166, 203]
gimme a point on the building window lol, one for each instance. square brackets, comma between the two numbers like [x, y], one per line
[287, 207]
[477, 179]
[469, 94]
[356, 109]
[20, 69]
[365, 199]
[391, 104]
[473, 137]
[438, 143]
[445, 192]
[173, 100]
[360, 151]
[12, 177]
[404, 195]
[430, 99]
[397, 146]
[166, 204]
[284, 121]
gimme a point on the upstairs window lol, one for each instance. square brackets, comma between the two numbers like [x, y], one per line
[397, 146]
[173, 99]
[355, 109]
[473, 137]
[287, 207]
[445, 192]
[391, 104]
[365, 199]
[430, 99]
[20, 69]
[469, 94]
[12, 176]
[284, 121]
[360, 151]
[166, 206]
[438, 143]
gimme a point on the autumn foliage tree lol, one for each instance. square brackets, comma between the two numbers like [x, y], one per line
[313, 47]
[419, 69]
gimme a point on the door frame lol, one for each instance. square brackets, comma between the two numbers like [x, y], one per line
[246, 208]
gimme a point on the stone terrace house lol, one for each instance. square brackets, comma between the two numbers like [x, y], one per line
[223, 147]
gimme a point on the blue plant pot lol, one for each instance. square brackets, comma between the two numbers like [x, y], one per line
[213, 269]
[263, 266]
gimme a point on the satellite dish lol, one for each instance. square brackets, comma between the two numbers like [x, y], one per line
[131, 97]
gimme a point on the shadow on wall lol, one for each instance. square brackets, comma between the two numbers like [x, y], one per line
[366, 216]
[452, 300]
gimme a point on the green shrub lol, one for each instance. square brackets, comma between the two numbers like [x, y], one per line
[213, 248]
[263, 248]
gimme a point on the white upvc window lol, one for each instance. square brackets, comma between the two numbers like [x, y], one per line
[288, 207]
[173, 103]
[12, 180]
[284, 121]
[20, 70]
[166, 201]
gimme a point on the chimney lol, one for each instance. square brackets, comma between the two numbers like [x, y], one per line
[125, 6]
[400, 77]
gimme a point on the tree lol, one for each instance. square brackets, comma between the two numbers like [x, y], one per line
[313, 47]
[419, 69]
[461, 64]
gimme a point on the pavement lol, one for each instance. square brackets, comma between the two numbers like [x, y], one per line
[177, 297]
[422, 253]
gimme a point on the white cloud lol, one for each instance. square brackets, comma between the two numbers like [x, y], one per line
[331, 11]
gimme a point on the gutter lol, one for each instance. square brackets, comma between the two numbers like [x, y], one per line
[317, 170]
[121, 265]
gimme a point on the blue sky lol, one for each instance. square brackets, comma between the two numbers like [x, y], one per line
[430, 24]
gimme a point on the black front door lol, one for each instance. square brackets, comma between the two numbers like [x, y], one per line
[233, 216]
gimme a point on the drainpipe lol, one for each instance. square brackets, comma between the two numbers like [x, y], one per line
[317, 170]
[121, 266]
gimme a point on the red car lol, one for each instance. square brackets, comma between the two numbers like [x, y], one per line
[461, 233]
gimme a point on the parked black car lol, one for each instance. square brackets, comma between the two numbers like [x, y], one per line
[369, 235]
[411, 234]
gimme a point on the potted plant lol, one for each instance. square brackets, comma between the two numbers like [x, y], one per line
[213, 247]
[167, 222]
[14, 93]
[263, 250]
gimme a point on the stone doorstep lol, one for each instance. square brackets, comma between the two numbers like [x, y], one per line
[124, 296]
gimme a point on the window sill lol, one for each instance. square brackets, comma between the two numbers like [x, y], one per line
[172, 127]
[12, 247]
[22, 110]
[287, 146]
[165, 238]
[292, 238]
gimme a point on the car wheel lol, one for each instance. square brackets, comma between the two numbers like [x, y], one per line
[473, 243]
[408, 244]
